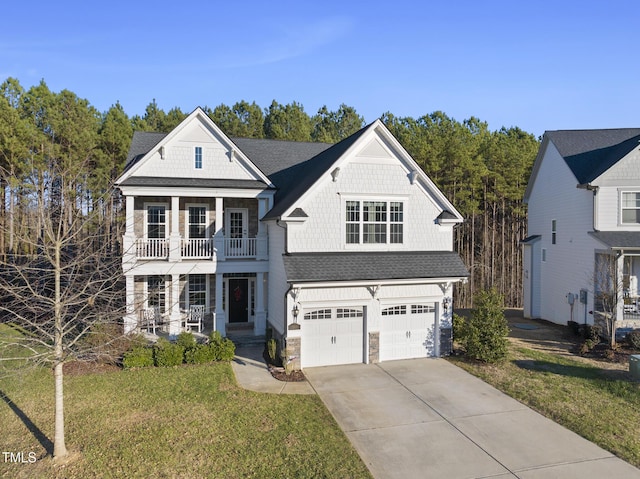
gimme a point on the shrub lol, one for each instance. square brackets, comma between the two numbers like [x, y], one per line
[168, 354]
[272, 349]
[138, 357]
[458, 327]
[199, 354]
[592, 332]
[574, 327]
[633, 339]
[186, 340]
[484, 334]
[223, 348]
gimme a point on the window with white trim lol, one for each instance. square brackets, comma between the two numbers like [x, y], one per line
[198, 158]
[553, 231]
[197, 289]
[197, 222]
[318, 314]
[374, 222]
[156, 221]
[631, 207]
[395, 310]
[156, 292]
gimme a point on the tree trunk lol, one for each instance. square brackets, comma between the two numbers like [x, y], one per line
[59, 447]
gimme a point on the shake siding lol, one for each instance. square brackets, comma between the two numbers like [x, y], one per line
[569, 262]
[324, 229]
[623, 176]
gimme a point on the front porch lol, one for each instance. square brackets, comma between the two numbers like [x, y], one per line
[168, 304]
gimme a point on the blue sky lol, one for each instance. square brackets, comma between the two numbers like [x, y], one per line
[540, 65]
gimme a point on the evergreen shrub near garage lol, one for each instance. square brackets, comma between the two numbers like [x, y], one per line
[484, 334]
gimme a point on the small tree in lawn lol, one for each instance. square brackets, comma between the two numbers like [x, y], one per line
[62, 286]
[484, 334]
[608, 294]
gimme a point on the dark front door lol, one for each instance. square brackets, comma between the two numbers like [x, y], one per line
[238, 300]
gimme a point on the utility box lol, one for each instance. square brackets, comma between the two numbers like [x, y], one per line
[634, 366]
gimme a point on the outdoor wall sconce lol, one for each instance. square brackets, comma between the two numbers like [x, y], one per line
[295, 311]
[445, 304]
[334, 174]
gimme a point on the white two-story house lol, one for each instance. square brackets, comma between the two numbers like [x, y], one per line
[344, 251]
[584, 227]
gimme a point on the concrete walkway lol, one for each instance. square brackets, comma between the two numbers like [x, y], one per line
[252, 373]
[426, 418]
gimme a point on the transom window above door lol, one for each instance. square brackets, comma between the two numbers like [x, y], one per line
[374, 222]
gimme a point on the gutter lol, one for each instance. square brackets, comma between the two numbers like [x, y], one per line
[590, 187]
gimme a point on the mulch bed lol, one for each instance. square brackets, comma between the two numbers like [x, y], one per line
[278, 372]
[80, 368]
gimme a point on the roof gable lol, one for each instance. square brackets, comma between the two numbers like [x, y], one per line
[372, 141]
[172, 155]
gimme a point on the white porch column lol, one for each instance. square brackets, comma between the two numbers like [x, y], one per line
[262, 252]
[260, 326]
[129, 238]
[221, 320]
[174, 236]
[130, 319]
[175, 318]
[619, 288]
[218, 242]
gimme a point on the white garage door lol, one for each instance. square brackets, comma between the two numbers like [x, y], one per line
[332, 336]
[407, 331]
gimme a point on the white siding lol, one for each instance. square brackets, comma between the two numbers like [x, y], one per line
[179, 159]
[569, 262]
[324, 230]
[277, 285]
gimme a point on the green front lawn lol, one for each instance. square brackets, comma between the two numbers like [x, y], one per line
[587, 400]
[188, 421]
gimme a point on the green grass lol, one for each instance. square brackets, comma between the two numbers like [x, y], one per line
[583, 398]
[187, 421]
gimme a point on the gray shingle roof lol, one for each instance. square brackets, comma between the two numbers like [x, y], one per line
[141, 143]
[372, 266]
[618, 239]
[589, 153]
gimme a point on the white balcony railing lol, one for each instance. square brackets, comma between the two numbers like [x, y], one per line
[240, 247]
[152, 248]
[197, 248]
[201, 248]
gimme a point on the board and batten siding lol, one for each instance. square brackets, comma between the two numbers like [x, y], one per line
[569, 263]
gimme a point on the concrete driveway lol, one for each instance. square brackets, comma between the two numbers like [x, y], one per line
[426, 418]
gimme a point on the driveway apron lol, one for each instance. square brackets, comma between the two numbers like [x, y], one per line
[426, 418]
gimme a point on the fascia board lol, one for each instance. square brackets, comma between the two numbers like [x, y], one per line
[381, 282]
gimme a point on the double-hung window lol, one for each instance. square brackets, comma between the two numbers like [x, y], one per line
[197, 222]
[156, 292]
[374, 222]
[156, 221]
[631, 207]
[197, 289]
[198, 158]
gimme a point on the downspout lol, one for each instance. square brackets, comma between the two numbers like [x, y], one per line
[590, 187]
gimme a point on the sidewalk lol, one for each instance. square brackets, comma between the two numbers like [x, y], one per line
[252, 373]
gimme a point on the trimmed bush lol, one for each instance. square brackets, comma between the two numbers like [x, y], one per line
[138, 357]
[199, 354]
[633, 339]
[574, 327]
[186, 340]
[167, 354]
[484, 334]
[272, 349]
[458, 327]
[223, 348]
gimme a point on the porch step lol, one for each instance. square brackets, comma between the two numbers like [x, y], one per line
[247, 340]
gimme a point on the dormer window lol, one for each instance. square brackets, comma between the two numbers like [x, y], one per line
[631, 207]
[198, 158]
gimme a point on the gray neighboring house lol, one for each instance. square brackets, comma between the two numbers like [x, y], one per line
[584, 227]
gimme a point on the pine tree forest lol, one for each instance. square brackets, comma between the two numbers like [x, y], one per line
[44, 134]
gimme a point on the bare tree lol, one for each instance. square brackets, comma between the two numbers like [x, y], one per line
[608, 290]
[65, 292]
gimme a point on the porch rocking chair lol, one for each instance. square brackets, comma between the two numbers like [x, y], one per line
[194, 318]
[150, 319]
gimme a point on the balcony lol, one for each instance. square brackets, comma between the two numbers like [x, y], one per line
[219, 248]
